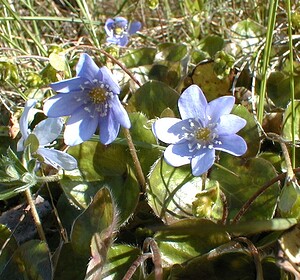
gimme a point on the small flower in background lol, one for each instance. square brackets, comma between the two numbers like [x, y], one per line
[91, 100]
[204, 128]
[118, 30]
[46, 132]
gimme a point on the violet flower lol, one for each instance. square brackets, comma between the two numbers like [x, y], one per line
[91, 100]
[118, 30]
[204, 128]
[46, 132]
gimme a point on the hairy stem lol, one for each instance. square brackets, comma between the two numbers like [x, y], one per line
[136, 162]
[35, 215]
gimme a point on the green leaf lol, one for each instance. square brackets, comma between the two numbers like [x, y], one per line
[139, 57]
[247, 34]
[205, 77]
[287, 122]
[208, 203]
[70, 265]
[120, 258]
[15, 161]
[178, 247]
[33, 141]
[58, 61]
[277, 84]
[99, 216]
[167, 74]
[124, 188]
[153, 98]
[100, 245]
[30, 261]
[95, 159]
[250, 132]
[171, 191]
[194, 227]
[227, 262]
[171, 52]
[141, 132]
[8, 249]
[247, 178]
[211, 44]
[289, 243]
[289, 200]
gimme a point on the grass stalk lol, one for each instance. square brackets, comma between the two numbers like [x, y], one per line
[24, 27]
[292, 82]
[266, 58]
[89, 22]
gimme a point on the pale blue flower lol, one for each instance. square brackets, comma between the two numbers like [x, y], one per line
[118, 30]
[46, 132]
[204, 128]
[91, 100]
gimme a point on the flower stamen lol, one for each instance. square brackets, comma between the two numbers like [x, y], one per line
[119, 31]
[98, 95]
[203, 134]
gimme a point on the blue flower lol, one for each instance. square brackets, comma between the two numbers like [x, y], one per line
[204, 128]
[46, 132]
[91, 100]
[118, 31]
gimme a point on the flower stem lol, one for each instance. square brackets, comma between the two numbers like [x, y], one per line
[35, 215]
[136, 162]
[34, 212]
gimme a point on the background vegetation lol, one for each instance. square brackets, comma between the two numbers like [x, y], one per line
[240, 222]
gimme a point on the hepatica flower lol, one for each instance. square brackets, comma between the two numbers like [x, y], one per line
[91, 100]
[118, 30]
[46, 132]
[204, 128]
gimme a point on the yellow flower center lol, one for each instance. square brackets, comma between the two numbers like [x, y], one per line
[203, 134]
[98, 95]
[119, 30]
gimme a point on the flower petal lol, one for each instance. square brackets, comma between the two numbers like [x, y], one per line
[86, 67]
[113, 40]
[203, 161]
[177, 155]
[80, 127]
[48, 130]
[109, 27]
[230, 124]
[20, 144]
[109, 128]
[120, 22]
[192, 103]
[134, 27]
[123, 41]
[232, 144]
[105, 75]
[68, 85]
[24, 118]
[220, 106]
[63, 104]
[58, 159]
[120, 113]
[169, 130]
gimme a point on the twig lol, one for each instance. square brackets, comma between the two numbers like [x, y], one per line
[116, 61]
